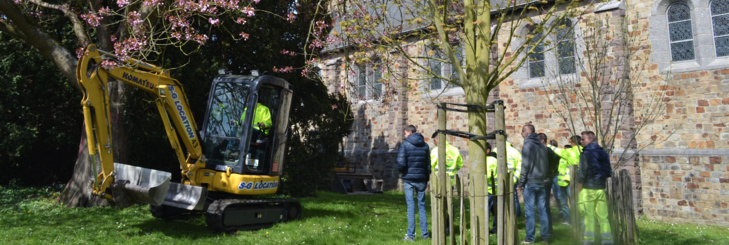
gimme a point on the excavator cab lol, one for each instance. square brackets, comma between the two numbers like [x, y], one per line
[244, 130]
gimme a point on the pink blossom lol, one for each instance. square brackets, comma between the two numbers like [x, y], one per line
[287, 69]
[244, 35]
[201, 39]
[241, 21]
[122, 3]
[108, 64]
[92, 19]
[105, 11]
[153, 3]
[248, 11]
[113, 38]
[79, 52]
[316, 43]
[291, 17]
[334, 107]
[213, 21]
[134, 18]
[305, 72]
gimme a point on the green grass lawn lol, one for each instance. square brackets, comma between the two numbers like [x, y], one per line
[29, 216]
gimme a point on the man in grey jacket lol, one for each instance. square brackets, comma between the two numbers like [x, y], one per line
[533, 183]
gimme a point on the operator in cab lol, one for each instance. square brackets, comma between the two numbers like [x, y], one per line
[261, 118]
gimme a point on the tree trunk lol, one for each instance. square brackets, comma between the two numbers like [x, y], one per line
[77, 192]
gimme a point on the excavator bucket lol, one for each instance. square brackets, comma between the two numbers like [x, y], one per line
[185, 196]
[137, 184]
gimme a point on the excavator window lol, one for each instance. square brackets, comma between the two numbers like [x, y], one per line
[224, 127]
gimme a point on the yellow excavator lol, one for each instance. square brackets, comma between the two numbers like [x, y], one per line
[236, 157]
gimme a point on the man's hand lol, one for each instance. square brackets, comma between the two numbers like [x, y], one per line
[521, 189]
[261, 125]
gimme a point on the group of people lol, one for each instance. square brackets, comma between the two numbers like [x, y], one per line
[540, 168]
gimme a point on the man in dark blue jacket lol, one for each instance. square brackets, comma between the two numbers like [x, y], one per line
[533, 183]
[594, 170]
[413, 162]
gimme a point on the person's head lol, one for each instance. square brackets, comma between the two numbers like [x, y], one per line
[434, 137]
[527, 129]
[587, 138]
[554, 143]
[410, 129]
[575, 140]
[567, 146]
[488, 148]
[542, 137]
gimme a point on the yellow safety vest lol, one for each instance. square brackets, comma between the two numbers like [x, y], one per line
[454, 162]
[261, 115]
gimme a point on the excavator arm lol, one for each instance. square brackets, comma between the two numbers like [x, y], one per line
[130, 183]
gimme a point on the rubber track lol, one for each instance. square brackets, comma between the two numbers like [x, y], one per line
[215, 211]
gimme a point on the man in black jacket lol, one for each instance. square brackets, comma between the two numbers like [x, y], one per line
[413, 162]
[533, 183]
[594, 170]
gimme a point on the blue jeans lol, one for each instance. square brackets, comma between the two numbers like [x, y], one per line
[561, 194]
[535, 196]
[419, 188]
[492, 209]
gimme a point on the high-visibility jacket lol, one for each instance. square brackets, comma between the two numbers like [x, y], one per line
[491, 172]
[563, 179]
[572, 155]
[513, 160]
[453, 163]
[261, 115]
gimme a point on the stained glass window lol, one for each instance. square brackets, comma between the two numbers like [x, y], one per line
[720, 23]
[680, 32]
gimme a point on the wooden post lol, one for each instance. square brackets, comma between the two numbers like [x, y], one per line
[512, 232]
[501, 170]
[631, 229]
[575, 218]
[442, 173]
[472, 201]
[449, 207]
[462, 227]
[434, 208]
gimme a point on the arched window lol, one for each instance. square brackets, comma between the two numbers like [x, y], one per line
[566, 47]
[536, 57]
[720, 23]
[680, 32]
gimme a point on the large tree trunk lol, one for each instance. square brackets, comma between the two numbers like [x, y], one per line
[77, 192]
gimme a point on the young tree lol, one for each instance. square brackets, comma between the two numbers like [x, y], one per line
[482, 41]
[603, 96]
[141, 29]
